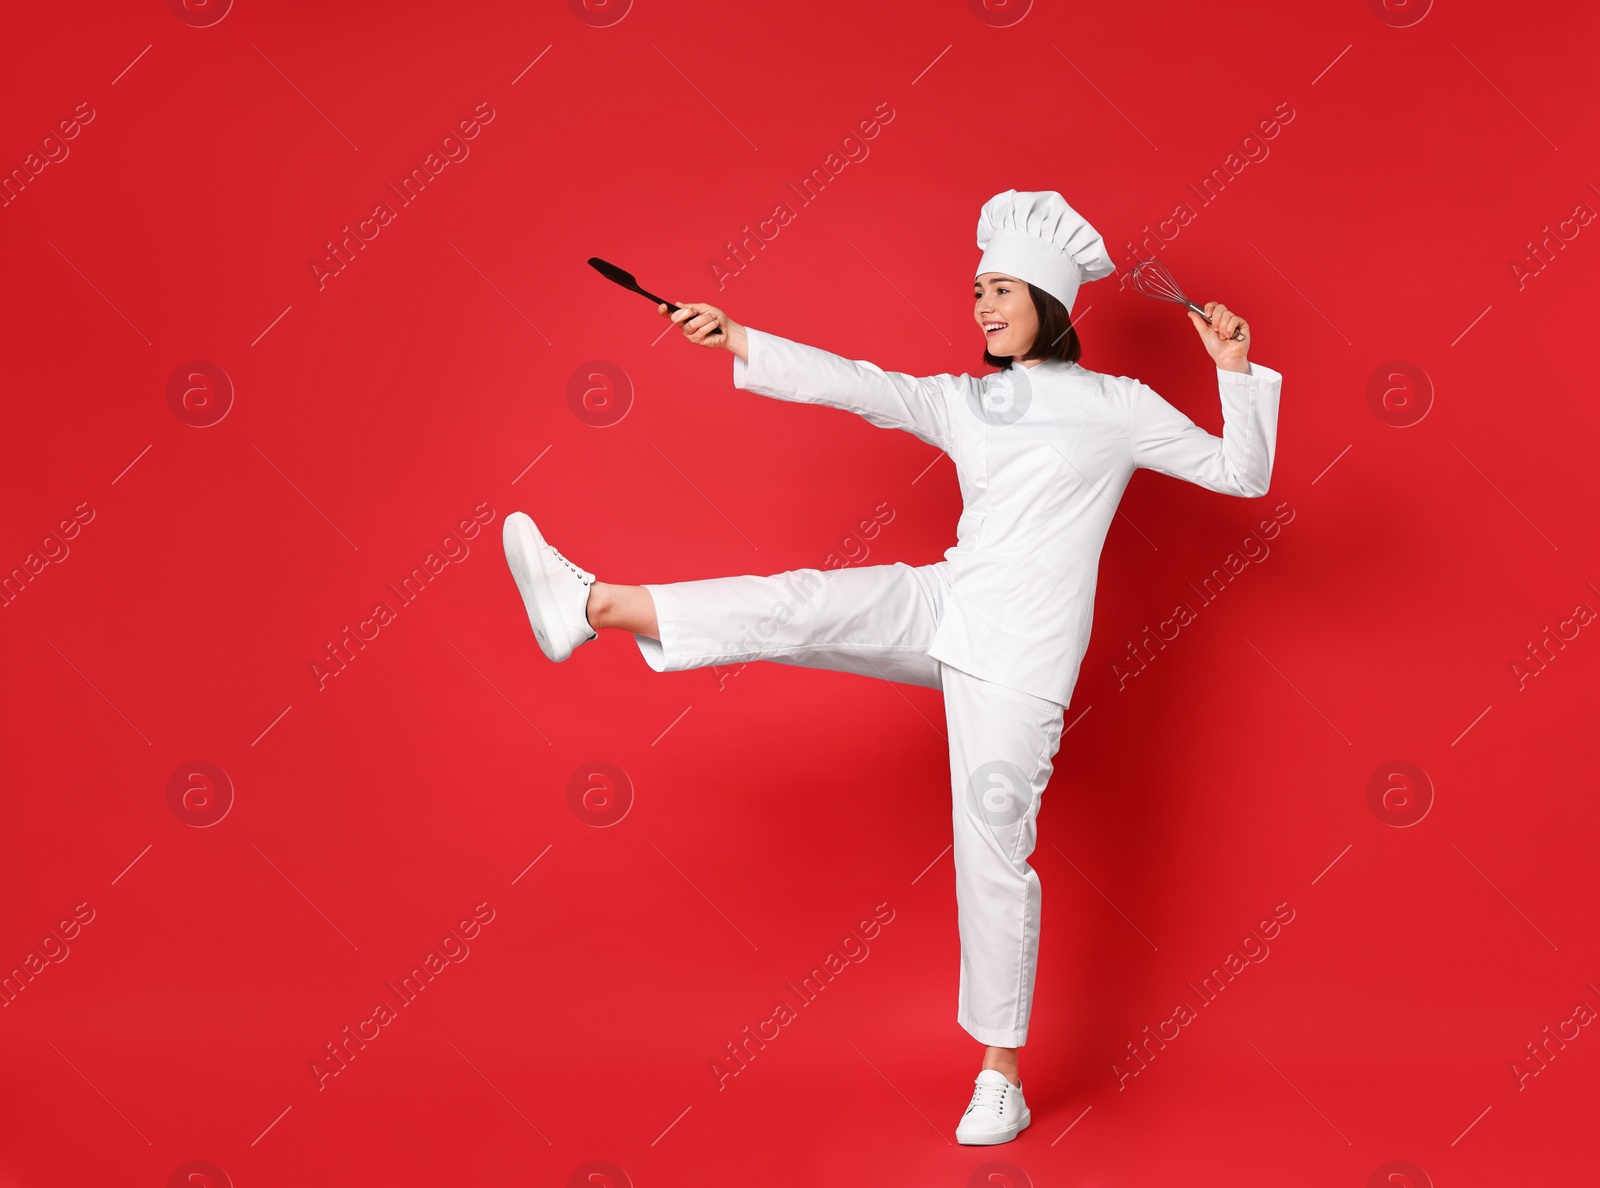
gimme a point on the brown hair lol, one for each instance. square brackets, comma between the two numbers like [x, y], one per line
[1056, 332]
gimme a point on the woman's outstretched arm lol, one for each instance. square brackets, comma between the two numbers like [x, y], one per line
[770, 365]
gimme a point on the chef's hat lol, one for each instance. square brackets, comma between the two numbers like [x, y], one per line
[1035, 236]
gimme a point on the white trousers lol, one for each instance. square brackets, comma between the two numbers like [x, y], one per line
[879, 621]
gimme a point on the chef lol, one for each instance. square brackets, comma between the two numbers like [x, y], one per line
[1043, 449]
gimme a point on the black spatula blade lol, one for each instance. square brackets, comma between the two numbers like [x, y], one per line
[624, 278]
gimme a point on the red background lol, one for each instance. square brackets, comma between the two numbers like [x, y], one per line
[770, 809]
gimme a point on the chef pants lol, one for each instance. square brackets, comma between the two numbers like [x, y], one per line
[880, 621]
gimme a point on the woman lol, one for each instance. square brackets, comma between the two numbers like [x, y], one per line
[1043, 449]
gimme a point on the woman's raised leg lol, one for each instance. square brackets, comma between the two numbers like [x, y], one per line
[624, 608]
[875, 620]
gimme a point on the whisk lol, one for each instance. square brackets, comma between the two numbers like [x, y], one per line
[1153, 280]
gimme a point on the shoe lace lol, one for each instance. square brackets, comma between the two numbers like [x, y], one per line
[555, 552]
[993, 1097]
[583, 577]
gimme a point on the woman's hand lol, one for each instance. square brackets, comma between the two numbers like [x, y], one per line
[1218, 336]
[707, 326]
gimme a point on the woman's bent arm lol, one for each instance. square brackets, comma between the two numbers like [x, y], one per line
[1237, 463]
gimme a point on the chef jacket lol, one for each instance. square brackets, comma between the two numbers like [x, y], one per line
[1042, 455]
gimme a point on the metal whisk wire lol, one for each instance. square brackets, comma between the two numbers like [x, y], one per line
[1153, 280]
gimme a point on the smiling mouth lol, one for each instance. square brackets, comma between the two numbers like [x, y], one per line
[993, 328]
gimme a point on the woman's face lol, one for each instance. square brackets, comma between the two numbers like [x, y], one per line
[1004, 311]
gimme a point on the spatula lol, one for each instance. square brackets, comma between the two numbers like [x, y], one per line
[612, 273]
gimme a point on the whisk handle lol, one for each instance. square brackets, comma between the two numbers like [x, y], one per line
[1238, 334]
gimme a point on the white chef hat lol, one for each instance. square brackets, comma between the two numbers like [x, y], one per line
[1035, 236]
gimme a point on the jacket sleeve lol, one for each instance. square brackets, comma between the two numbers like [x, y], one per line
[790, 370]
[1237, 463]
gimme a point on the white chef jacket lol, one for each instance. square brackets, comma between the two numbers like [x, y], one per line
[1038, 489]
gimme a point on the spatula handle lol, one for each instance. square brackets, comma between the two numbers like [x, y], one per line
[671, 308]
[616, 275]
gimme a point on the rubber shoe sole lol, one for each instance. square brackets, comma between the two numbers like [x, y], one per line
[997, 1136]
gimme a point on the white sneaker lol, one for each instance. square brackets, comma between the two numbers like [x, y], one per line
[997, 1113]
[554, 590]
